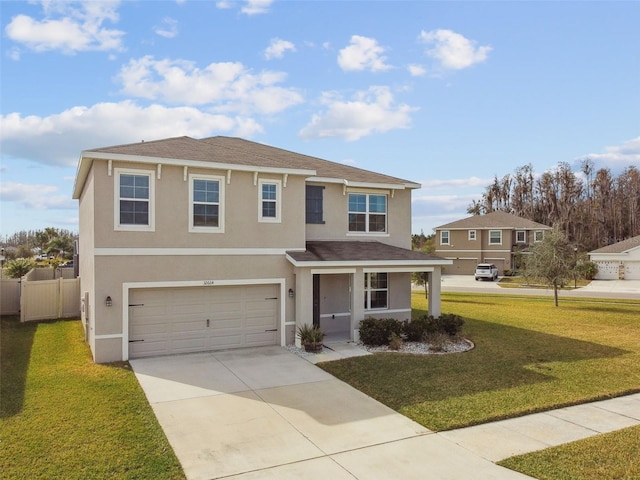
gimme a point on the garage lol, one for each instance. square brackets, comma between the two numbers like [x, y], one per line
[632, 270]
[164, 321]
[607, 270]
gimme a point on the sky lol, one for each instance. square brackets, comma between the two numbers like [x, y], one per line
[447, 94]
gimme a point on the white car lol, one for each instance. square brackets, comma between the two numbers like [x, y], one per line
[486, 270]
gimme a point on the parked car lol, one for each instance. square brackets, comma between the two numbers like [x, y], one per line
[67, 264]
[486, 270]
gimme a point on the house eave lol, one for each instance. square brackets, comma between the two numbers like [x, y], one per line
[409, 265]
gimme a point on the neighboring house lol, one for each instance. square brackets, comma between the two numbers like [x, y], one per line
[497, 238]
[193, 245]
[618, 261]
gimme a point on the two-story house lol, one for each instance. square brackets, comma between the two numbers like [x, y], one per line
[497, 237]
[192, 245]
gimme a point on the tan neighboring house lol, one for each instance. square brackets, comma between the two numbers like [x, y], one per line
[496, 238]
[619, 261]
[191, 245]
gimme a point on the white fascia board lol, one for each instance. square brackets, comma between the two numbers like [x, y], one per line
[348, 183]
[372, 263]
[195, 163]
[150, 252]
[397, 269]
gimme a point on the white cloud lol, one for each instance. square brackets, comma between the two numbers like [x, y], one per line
[363, 53]
[277, 48]
[168, 28]
[256, 7]
[69, 27]
[416, 70]
[35, 196]
[224, 4]
[618, 156]
[370, 111]
[457, 183]
[225, 87]
[58, 139]
[452, 50]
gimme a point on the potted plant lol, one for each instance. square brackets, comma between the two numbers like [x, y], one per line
[311, 338]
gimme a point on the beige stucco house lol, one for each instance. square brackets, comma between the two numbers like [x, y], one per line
[497, 238]
[192, 245]
[619, 261]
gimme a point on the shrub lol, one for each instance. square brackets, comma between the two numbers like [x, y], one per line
[416, 328]
[19, 267]
[377, 331]
[437, 341]
[395, 341]
[449, 323]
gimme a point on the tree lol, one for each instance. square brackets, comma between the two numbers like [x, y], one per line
[19, 267]
[552, 260]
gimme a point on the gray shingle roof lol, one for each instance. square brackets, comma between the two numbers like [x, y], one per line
[359, 251]
[498, 220]
[237, 151]
[620, 247]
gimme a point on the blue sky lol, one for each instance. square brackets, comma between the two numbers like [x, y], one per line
[447, 94]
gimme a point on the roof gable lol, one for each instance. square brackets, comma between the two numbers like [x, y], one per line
[494, 220]
[620, 247]
[235, 153]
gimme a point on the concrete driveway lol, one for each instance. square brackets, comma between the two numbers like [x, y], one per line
[266, 413]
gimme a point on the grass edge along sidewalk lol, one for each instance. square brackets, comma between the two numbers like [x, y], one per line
[63, 416]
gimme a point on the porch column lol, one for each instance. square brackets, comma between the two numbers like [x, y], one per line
[357, 302]
[304, 300]
[433, 300]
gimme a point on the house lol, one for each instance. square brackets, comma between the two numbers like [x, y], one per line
[618, 261]
[193, 245]
[497, 237]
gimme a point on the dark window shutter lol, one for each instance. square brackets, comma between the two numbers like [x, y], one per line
[314, 204]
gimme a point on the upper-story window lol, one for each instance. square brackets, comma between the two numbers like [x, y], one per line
[314, 204]
[521, 236]
[376, 291]
[537, 236]
[444, 237]
[495, 237]
[367, 213]
[472, 234]
[206, 203]
[269, 207]
[134, 197]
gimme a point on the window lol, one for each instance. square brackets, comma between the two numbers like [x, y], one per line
[367, 213]
[376, 291]
[521, 236]
[537, 236]
[314, 211]
[495, 237]
[472, 234]
[269, 201]
[206, 203]
[134, 209]
[444, 237]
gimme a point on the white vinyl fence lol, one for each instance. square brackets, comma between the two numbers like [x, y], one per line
[37, 299]
[10, 296]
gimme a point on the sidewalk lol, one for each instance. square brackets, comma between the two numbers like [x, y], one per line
[496, 441]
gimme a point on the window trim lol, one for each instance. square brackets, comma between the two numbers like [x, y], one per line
[368, 290]
[490, 239]
[367, 213]
[221, 202]
[535, 236]
[151, 226]
[278, 200]
[524, 236]
[472, 236]
[442, 232]
[320, 212]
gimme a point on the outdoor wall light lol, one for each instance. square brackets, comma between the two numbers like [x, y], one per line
[291, 293]
[108, 302]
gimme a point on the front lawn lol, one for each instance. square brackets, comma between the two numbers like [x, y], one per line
[64, 417]
[530, 356]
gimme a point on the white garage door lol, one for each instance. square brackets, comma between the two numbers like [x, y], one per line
[607, 270]
[632, 270]
[165, 321]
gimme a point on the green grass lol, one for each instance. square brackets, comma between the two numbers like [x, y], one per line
[612, 456]
[530, 356]
[518, 281]
[62, 416]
